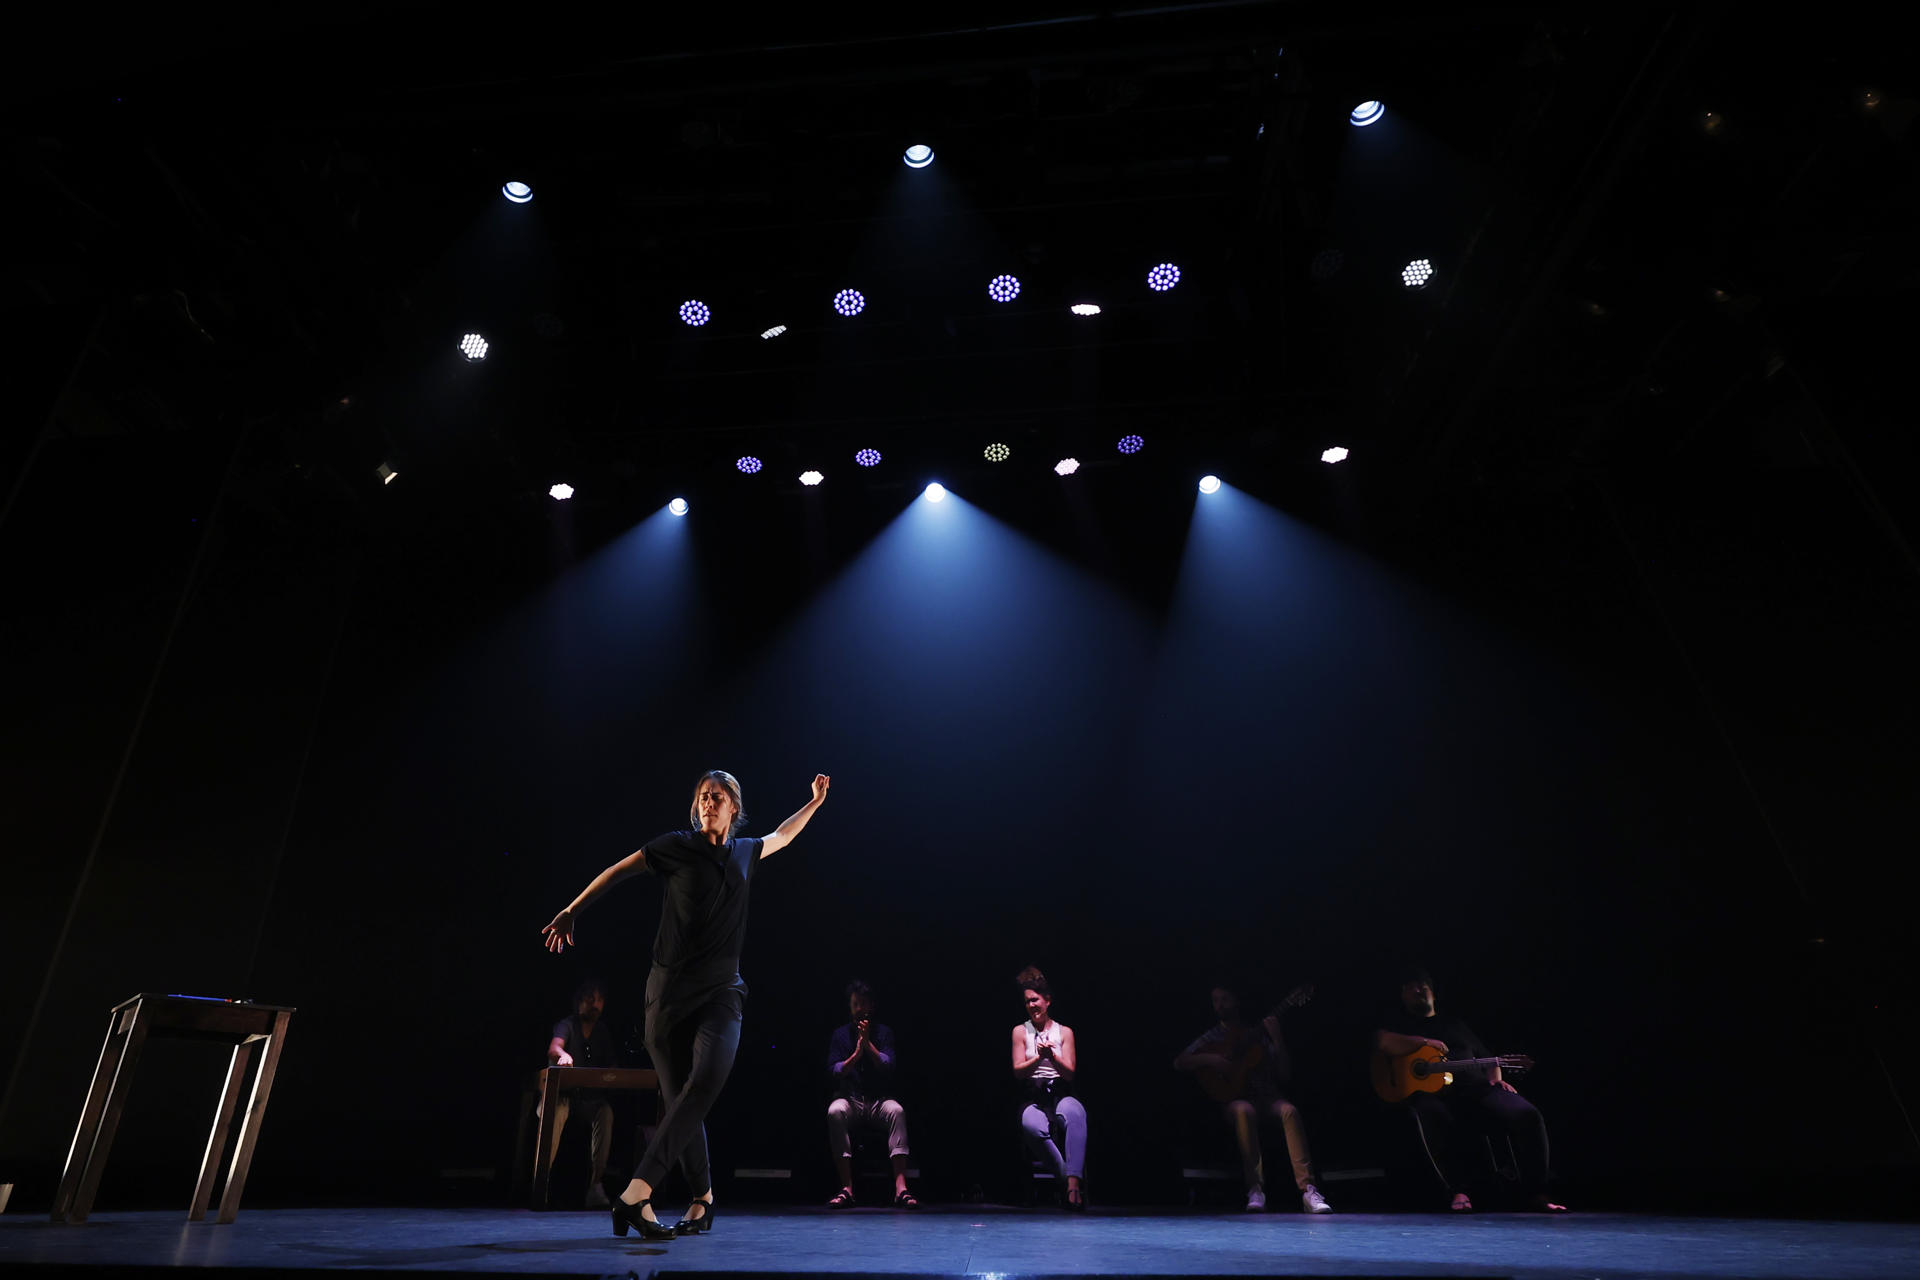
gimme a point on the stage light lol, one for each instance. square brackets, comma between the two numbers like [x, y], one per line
[695, 313]
[473, 347]
[935, 492]
[1131, 444]
[1209, 484]
[998, 453]
[1366, 113]
[386, 473]
[1003, 288]
[1163, 277]
[518, 192]
[868, 457]
[1066, 466]
[1336, 454]
[1084, 309]
[848, 302]
[678, 506]
[774, 332]
[748, 465]
[811, 478]
[918, 156]
[1416, 273]
[561, 491]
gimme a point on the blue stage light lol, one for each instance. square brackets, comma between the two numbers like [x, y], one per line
[936, 492]
[678, 506]
[1366, 113]
[1003, 288]
[918, 156]
[695, 313]
[518, 192]
[1131, 444]
[1163, 277]
[1209, 484]
[748, 465]
[868, 457]
[848, 302]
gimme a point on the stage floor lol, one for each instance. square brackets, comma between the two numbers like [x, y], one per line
[978, 1241]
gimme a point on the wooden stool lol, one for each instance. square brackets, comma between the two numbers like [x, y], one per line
[554, 1079]
[185, 1018]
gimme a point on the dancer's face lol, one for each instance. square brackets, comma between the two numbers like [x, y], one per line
[1037, 1005]
[716, 809]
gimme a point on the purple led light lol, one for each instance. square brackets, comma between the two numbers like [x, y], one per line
[868, 457]
[748, 465]
[695, 313]
[848, 302]
[1163, 277]
[1003, 288]
[1131, 444]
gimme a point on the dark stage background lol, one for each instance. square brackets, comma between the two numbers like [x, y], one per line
[1625, 752]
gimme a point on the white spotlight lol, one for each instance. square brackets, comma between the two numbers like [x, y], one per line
[775, 332]
[1066, 466]
[1416, 273]
[561, 491]
[518, 192]
[1366, 113]
[811, 478]
[678, 506]
[1084, 309]
[935, 492]
[1336, 454]
[919, 156]
[1209, 484]
[386, 473]
[474, 347]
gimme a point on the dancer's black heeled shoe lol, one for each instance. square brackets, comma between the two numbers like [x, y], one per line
[694, 1226]
[628, 1215]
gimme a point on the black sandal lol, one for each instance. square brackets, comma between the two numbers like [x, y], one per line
[842, 1199]
[905, 1200]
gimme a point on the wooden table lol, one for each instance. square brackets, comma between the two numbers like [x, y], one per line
[240, 1024]
[555, 1080]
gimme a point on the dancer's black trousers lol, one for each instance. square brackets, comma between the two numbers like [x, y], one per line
[693, 1057]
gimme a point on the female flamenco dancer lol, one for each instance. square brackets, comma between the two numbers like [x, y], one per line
[695, 996]
[1044, 1061]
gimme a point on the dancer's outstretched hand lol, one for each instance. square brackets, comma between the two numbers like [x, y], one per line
[820, 781]
[559, 934]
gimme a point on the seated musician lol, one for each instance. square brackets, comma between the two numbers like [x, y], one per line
[1478, 1100]
[582, 1040]
[860, 1061]
[1244, 1067]
[1045, 1061]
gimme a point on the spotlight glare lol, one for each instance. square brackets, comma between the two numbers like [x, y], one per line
[695, 313]
[1163, 277]
[1366, 113]
[1131, 444]
[518, 192]
[1066, 466]
[561, 491]
[678, 506]
[386, 473]
[935, 492]
[918, 156]
[1416, 273]
[1336, 454]
[1084, 309]
[848, 302]
[1209, 484]
[1003, 288]
[748, 465]
[998, 453]
[811, 478]
[774, 332]
[473, 347]
[868, 457]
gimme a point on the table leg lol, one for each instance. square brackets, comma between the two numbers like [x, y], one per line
[89, 1128]
[136, 1039]
[256, 1115]
[222, 1122]
[542, 1153]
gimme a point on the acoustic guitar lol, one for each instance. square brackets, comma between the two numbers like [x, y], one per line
[1426, 1070]
[1246, 1052]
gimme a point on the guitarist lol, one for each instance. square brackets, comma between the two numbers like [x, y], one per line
[1243, 1066]
[1478, 1100]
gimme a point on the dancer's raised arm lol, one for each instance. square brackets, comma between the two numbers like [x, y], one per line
[783, 835]
[559, 934]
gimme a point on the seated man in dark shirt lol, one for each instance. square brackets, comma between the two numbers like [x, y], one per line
[860, 1063]
[1477, 1100]
[582, 1041]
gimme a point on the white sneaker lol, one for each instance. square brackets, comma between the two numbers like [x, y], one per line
[1313, 1202]
[1256, 1201]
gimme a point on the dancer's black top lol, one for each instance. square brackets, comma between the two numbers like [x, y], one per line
[703, 923]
